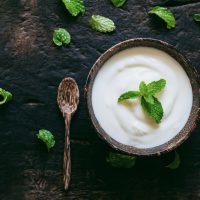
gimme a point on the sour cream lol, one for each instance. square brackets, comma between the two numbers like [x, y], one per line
[126, 122]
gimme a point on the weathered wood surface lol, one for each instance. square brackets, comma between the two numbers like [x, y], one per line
[31, 67]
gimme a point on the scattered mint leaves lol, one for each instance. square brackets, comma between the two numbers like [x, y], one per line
[129, 95]
[118, 160]
[5, 96]
[175, 163]
[47, 137]
[75, 7]
[61, 37]
[118, 3]
[196, 17]
[150, 104]
[165, 14]
[154, 110]
[102, 24]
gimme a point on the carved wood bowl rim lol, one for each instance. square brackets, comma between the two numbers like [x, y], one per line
[192, 74]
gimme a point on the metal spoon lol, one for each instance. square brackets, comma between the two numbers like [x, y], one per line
[68, 100]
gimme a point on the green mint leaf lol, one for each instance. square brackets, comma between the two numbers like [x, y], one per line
[61, 37]
[143, 88]
[129, 95]
[75, 7]
[156, 86]
[165, 14]
[155, 110]
[47, 137]
[118, 3]
[102, 24]
[149, 102]
[149, 98]
[175, 163]
[118, 160]
[196, 17]
[5, 96]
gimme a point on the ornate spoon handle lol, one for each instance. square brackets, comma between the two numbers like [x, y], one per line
[67, 153]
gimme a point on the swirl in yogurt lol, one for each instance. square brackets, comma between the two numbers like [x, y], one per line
[127, 123]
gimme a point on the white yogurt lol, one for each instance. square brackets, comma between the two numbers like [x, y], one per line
[126, 122]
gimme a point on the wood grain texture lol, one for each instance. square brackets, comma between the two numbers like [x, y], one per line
[31, 67]
[68, 100]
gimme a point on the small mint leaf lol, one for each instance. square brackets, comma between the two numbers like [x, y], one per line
[175, 163]
[6, 96]
[75, 7]
[196, 17]
[118, 160]
[47, 137]
[165, 14]
[143, 88]
[129, 95]
[155, 110]
[61, 37]
[156, 86]
[102, 24]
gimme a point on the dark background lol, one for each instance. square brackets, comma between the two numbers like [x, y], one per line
[31, 67]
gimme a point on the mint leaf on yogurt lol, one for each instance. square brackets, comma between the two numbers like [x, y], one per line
[129, 95]
[143, 88]
[102, 24]
[154, 110]
[153, 88]
[156, 86]
[118, 3]
[165, 14]
[150, 104]
[118, 160]
[149, 98]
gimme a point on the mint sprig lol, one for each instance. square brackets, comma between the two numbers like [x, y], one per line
[165, 14]
[150, 104]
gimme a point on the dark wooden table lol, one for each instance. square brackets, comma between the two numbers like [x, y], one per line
[31, 67]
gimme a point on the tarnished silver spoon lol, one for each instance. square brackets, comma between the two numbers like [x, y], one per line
[68, 100]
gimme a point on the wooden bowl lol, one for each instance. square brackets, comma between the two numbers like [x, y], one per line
[192, 74]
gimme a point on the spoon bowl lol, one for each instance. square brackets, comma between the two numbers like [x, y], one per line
[68, 96]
